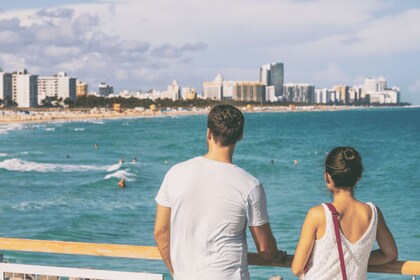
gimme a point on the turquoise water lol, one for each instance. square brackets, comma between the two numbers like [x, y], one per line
[54, 184]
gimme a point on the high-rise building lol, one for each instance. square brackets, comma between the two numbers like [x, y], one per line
[342, 93]
[25, 89]
[174, 91]
[105, 89]
[6, 87]
[370, 85]
[272, 74]
[220, 89]
[213, 90]
[376, 91]
[248, 91]
[381, 84]
[299, 93]
[60, 86]
[81, 88]
[188, 93]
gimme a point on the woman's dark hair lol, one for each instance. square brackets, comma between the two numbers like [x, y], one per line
[344, 165]
[226, 124]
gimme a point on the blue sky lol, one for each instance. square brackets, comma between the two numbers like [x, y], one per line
[138, 44]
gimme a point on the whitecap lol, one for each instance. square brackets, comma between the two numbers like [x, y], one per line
[19, 165]
[50, 129]
[79, 129]
[94, 122]
[120, 174]
[3, 155]
[4, 129]
[114, 167]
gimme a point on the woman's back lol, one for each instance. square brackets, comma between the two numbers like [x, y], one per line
[358, 224]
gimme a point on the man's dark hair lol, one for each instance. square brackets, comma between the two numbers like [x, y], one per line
[226, 124]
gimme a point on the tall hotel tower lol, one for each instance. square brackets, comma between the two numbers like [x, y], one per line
[272, 74]
[25, 89]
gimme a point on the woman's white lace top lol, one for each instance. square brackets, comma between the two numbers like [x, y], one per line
[324, 262]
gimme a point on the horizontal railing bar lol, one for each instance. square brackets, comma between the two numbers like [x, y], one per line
[77, 272]
[80, 248]
[150, 252]
[396, 267]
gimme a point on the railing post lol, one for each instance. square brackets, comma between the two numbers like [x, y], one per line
[1, 271]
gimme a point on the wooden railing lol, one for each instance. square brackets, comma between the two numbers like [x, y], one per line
[151, 253]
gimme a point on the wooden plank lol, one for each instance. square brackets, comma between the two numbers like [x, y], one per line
[150, 252]
[80, 248]
[397, 267]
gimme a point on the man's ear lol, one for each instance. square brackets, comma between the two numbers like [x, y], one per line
[209, 135]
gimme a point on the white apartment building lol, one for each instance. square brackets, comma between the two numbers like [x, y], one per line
[214, 90]
[6, 86]
[220, 89]
[174, 91]
[60, 85]
[377, 92]
[25, 89]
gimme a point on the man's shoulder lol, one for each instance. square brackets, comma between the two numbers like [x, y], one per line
[187, 164]
[245, 175]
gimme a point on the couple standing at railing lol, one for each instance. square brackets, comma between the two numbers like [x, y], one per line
[206, 203]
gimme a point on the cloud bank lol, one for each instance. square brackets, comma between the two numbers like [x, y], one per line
[139, 44]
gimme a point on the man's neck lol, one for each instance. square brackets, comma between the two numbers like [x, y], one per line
[221, 154]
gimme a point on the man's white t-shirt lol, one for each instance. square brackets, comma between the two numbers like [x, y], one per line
[211, 204]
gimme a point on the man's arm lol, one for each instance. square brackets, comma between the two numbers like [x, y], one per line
[266, 243]
[162, 234]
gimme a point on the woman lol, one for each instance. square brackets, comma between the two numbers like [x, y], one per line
[360, 224]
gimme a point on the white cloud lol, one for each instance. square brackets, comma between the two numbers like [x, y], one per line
[141, 43]
[64, 39]
[415, 87]
[332, 75]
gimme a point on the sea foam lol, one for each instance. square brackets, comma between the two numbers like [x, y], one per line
[4, 129]
[120, 174]
[15, 164]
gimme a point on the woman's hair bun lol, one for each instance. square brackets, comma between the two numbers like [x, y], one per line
[349, 154]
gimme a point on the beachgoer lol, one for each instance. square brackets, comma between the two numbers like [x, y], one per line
[134, 160]
[121, 161]
[360, 224]
[205, 205]
[121, 183]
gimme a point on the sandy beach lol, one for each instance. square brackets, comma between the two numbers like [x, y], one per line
[49, 115]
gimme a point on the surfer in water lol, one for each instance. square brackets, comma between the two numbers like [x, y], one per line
[121, 183]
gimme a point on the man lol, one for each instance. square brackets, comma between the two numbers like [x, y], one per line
[205, 205]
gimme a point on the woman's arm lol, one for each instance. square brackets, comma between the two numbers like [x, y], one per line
[387, 251]
[306, 241]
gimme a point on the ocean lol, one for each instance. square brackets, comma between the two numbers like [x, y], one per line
[58, 181]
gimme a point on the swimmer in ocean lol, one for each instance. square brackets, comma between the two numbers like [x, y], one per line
[134, 160]
[121, 183]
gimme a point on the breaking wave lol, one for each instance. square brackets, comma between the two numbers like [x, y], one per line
[121, 174]
[15, 164]
[4, 129]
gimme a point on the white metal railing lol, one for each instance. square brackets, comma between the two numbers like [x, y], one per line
[36, 272]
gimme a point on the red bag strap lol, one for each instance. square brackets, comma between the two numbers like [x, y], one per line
[335, 215]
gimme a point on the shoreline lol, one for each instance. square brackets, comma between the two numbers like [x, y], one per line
[8, 116]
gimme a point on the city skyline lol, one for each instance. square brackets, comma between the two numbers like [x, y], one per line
[141, 44]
